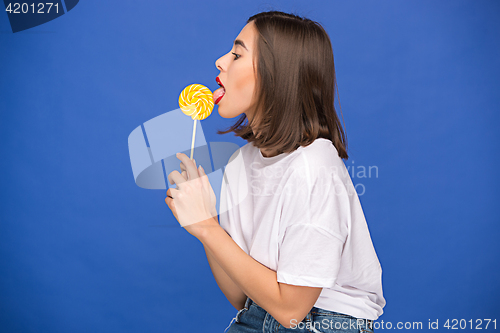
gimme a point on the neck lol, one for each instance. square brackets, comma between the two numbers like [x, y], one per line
[268, 153]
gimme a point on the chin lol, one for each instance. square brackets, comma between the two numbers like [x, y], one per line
[227, 115]
[221, 113]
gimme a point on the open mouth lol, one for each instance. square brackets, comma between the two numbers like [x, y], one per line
[219, 93]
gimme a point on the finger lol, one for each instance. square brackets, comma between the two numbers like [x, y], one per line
[184, 172]
[171, 204]
[204, 177]
[189, 164]
[183, 167]
[175, 178]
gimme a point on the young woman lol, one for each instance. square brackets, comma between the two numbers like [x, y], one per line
[292, 252]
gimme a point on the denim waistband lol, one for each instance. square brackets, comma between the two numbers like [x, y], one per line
[314, 310]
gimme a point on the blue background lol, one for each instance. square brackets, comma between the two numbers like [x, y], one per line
[84, 249]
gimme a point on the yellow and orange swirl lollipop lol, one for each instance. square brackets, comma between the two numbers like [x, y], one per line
[196, 101]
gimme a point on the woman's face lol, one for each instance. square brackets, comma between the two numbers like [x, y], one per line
[237, 76]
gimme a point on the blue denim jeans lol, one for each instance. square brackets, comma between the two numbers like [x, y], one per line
[252, 318]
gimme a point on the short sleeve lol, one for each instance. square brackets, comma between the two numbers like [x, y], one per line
[315, 219]
[309, 256]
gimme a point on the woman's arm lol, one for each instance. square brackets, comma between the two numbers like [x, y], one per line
[192, 204]
[284, 302]
[232, 292]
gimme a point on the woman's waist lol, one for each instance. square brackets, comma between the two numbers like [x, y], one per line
[314, 312]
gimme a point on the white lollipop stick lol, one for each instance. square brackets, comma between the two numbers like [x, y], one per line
[192, 141]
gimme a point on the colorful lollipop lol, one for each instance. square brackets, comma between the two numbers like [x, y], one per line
[196, 101]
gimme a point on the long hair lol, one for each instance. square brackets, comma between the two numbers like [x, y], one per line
[295, 86]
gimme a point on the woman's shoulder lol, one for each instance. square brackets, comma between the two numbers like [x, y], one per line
[318, 155]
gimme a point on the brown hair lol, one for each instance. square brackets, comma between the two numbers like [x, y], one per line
[295, 86]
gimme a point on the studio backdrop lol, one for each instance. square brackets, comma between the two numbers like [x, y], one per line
[89, 102]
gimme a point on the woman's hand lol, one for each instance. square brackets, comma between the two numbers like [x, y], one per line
[193, 202]
[201, 173]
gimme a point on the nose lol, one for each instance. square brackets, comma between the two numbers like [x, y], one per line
[220, 64]
[217, 64]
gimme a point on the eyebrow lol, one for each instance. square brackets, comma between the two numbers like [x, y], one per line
[240, 42]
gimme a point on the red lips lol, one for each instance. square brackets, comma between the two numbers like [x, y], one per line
[218, 81]
[219, 93]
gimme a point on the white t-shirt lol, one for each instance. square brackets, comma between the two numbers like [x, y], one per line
[298, 214]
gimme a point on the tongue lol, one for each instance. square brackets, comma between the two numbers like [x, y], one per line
[218, 94]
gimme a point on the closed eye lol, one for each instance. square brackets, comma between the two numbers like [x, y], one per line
[236, 56]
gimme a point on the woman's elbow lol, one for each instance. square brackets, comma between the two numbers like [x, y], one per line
[238, 304]
[238, 300]
[290, 320]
